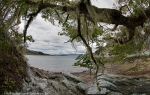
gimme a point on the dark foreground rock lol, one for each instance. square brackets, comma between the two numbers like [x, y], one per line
[120, 85]
[46, 83]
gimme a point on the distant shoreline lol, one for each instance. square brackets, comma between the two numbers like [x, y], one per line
[46, 54]
[32, 52]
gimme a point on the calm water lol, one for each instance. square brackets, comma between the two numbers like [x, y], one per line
[54, 63]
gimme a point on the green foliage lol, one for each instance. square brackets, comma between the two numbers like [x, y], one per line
[84, 61]
[9, 84]
[20, 69]
[31, 52]
[69, 30]
[5, 45]
[11, 40]
[126, 52]
[91, 31]
[134, 6]
[97, 31]
[12, 63]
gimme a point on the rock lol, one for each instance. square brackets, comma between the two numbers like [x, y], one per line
[142, 89]
[139, 94]
[70, 85]
[59, 88]
[41, 85]
[81, 87]
[124, 82]
[119, 85]
[104, 91]
[50, 90]
[114, 93]
[53, 77]
[108, 85]
[71, 77]
[27, 79]
[92, 89]
[40, 90]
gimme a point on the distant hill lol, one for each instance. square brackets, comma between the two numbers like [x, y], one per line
[31, 52]
[73, 54]
[65, 55]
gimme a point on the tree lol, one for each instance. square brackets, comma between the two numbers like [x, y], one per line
[13, 66]
[129, 20]
[82, 22]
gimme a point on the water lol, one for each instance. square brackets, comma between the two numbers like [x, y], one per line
[54, 63]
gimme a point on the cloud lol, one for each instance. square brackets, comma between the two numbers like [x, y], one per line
[103, 3]
[46, 35]
[47, 39]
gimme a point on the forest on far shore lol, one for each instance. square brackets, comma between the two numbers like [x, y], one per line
[31, 52]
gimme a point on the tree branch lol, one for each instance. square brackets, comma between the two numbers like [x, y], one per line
[110, 16]
[86, 44]
[124, 39]
[105, 15]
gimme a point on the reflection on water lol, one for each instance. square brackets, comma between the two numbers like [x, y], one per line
[54, 63]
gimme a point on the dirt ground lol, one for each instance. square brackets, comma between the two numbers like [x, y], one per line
[135, 69]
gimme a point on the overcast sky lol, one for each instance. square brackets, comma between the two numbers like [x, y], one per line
[46, 35]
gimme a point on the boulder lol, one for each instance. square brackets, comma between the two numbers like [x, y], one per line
[120, 85]
[71, 77]
[70, 85]
[81, 87]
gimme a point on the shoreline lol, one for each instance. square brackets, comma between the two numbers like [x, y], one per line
[85, 75]
[108, 70]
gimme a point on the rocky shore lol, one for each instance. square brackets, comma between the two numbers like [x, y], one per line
[42, 82]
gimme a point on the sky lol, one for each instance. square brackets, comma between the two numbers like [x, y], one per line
[46, 35]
